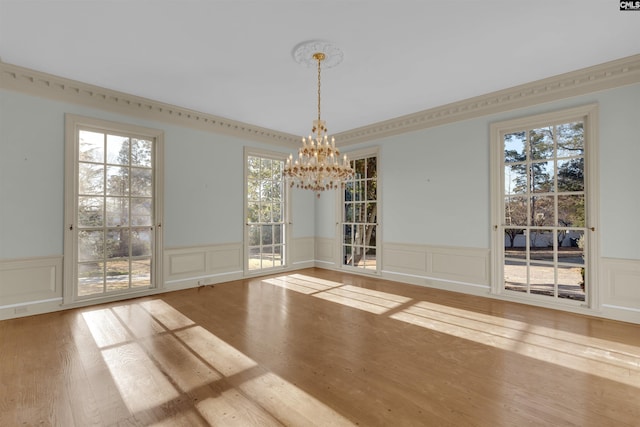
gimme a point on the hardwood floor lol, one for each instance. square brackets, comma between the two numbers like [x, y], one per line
[317, 347]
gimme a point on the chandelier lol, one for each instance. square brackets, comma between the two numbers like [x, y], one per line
[318, 166]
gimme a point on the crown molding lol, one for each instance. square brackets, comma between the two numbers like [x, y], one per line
[612, 74]
[13, 77]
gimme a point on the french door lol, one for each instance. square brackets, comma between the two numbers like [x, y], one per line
[112, 214]
[359, 216]
[544, 207]
[265, 212]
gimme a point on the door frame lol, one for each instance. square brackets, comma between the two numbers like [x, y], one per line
[589, 115]
[73, 124]
[287, 215]
[339, 202]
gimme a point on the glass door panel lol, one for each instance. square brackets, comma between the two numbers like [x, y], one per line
[544, 211]
[360, 216]
[114, 213]
[265, 207]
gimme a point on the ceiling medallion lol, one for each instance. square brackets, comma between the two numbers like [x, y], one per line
[303, 53]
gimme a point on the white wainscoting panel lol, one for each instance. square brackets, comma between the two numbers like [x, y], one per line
[303, 252]
[202, 265]
[325, 252]
[444, 267]
[30, 286]
[620, 297]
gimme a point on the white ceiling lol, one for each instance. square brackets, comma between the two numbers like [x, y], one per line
[232, 58]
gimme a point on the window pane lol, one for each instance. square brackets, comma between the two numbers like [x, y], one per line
[356, 209]
[346, 255]
[265, 212]
[141, 272]
[278, 260]
[574, 253]
[117, 181]
[141, 242]
[91, 147]
[253, 190]
[515, 179]
[571, 175]
[254, 235]
[90, 211]
[514, 147]
[141, 211]
[348, 234]
[542, 177]
[141, 182]
[571, 211]
[254, 258]
[371, 189]
[348, 191]
[541, 143]
[348, 212]
[542, 279]
[277, 234]
[370, 258]
[253, 168]
[267, 235]
[117, 275]
[372, 167]
[267, 257]
[516, 210]
[253, 212]
[118, 243]
[265, 168]
[541, 245]
[90, 245]
[90, 178]
[543, 211]
[515, 243]
[372, 213]
[117, 150]
[90, 278]
[370, 238]
[117, 211]
[571, 283]
[141, 152]
[359, 191]
[570, 139]
[277, 212]
[360, 169]
[515, 275]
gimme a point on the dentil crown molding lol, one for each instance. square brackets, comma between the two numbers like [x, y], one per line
[612, 74]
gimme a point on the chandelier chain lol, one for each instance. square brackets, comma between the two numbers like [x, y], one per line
[319, 60]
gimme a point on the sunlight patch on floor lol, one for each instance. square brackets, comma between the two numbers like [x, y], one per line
[373, 301]
[573, 351]
[604, 358]
[289, 404]
[158, 357]
[363, 299]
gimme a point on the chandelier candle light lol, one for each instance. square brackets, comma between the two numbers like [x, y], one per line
[318, 166]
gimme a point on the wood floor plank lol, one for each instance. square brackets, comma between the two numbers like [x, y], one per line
[318, 347]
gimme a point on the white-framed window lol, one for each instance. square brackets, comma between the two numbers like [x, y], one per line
[544, 173]
[266, 211]
[359, 214]
[113, 209]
